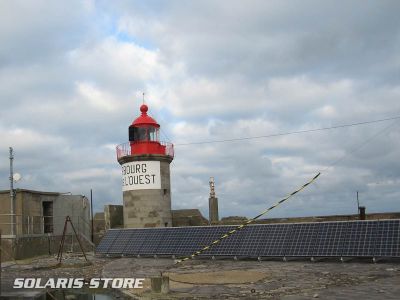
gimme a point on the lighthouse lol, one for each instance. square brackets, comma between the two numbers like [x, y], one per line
[145, 165]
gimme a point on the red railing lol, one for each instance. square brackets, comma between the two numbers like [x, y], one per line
[128, 148]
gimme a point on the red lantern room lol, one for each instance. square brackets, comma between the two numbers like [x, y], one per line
[144, 138]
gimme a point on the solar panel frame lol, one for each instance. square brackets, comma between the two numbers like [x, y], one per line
[372, 238]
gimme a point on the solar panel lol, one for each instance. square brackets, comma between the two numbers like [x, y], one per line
[154, 238]
[171, 239]
[388, 239]
[329, 239]
[361, 239]
[250, 241]
[136, 240]
[325, 239]
[107, 241]
[273, 240]
[229, 245]
[195, 238]
[120, 242]
[300, 239]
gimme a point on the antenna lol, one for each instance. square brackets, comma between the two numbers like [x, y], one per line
[12, 195]
[17, 177]
[143, 97]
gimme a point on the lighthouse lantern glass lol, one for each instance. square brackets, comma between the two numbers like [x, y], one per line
[143, 133]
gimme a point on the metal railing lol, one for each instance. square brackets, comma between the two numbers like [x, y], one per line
[126, 149]
[28, 225]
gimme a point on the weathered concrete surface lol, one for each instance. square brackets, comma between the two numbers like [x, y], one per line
[227, 279]
[149, 208]
[213, 210]
[74, 266]
[113, 216]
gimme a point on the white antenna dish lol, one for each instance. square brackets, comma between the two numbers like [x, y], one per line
[17, 177]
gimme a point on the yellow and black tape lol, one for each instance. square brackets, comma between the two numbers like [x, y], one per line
[240, 227]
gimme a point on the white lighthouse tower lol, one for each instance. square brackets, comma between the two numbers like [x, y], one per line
[146, 174]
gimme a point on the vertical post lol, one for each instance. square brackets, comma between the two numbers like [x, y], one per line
[11, 192]
[358, 204]
[0, 262]
[91, 213]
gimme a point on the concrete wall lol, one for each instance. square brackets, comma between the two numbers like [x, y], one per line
[28, 211]
[75, 206]
[30, 239]
[99, 222]
[27, 247]
[113, 216]
[373, 216]
[149, 208]
[188, 217]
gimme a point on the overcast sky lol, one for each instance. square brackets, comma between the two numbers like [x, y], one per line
[72, 74]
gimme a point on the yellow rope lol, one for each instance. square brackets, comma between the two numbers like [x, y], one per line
[217, 241]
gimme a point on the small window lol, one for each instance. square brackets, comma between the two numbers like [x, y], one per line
[47, 216]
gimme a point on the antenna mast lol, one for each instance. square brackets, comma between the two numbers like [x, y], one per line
[12, 195]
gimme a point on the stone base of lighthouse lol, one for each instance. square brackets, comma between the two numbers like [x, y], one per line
[148, 207]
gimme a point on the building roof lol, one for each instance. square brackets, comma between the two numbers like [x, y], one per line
[31, 192]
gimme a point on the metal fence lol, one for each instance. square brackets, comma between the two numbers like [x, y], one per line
[127, 149]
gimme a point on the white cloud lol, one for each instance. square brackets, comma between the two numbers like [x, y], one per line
[72, 84]
[96, 98]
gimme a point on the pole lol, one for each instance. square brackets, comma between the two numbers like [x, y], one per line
[0, 262]
[91, 212]
[358, 204]
[11, 192]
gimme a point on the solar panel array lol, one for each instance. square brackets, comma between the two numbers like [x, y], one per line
[378, 238]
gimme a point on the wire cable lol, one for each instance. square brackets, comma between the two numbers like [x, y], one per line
[240, 227]
[288, 133]
[359, 146]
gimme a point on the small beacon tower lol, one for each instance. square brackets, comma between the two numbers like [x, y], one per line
[213, 204]
[146, 175]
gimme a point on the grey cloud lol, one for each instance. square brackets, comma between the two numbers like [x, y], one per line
[275, 38]
[215, 70]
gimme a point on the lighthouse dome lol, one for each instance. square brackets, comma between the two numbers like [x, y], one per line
[144, 119]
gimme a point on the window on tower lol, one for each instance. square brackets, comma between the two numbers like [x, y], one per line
[143, 133]
[153, 134]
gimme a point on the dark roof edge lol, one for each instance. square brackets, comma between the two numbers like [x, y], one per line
[31, 191]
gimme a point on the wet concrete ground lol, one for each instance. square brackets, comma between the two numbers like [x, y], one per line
[228, 279]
